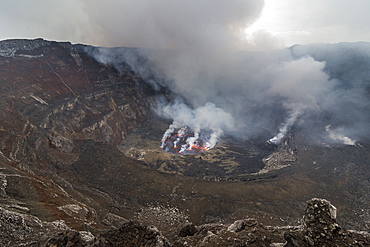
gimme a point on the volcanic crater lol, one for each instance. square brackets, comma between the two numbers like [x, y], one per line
[230, 157]
[79, 143]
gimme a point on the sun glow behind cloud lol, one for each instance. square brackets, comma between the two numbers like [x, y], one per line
[276, 20]
[265, 21]
[304, 22]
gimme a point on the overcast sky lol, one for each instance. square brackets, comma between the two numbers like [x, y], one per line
[257, 24]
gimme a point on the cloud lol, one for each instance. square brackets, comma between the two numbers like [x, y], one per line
[134, 23]
[56, 20]
[307, 22]
[145, 23]
[173, 23]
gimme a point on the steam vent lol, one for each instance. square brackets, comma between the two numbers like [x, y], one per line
[184, 141]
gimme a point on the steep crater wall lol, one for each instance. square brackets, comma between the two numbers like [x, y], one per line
[54, 94]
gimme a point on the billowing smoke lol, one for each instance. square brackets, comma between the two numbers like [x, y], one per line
[256, 89]
[206, 121]
[197, 54]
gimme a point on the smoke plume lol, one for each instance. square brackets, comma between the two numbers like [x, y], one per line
[256, 89]
[206, 121]
[296, 111]
[199, 53]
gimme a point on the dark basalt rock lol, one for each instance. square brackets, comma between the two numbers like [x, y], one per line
[320, 228]
[132, 234]
[68, 238]
[187, 229]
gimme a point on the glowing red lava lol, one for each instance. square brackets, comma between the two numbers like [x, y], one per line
[184, 143]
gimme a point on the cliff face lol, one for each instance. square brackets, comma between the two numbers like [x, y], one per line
[63, 95]
[53, 98]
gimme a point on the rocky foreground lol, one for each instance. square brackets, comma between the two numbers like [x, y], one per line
[318, 228]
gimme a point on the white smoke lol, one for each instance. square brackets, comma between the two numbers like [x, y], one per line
[256, 91]
[246, 87]
[337, 136]
[208, 121]
[295, 112]
[203, 67]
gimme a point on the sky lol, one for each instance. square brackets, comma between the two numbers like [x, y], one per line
[236, 24]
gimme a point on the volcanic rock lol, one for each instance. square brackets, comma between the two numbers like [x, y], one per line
[54, 96]
[132, 234]
[240, 225]
[23, 229]
[316, 231]
[320, 228]
[187, 229]
[70, 238]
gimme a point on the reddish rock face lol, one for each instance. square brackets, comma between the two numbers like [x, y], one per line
[53, 96]
[65, 94]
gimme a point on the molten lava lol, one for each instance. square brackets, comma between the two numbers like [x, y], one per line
[184, 142]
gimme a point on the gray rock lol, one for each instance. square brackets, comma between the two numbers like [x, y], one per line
[240, 225]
